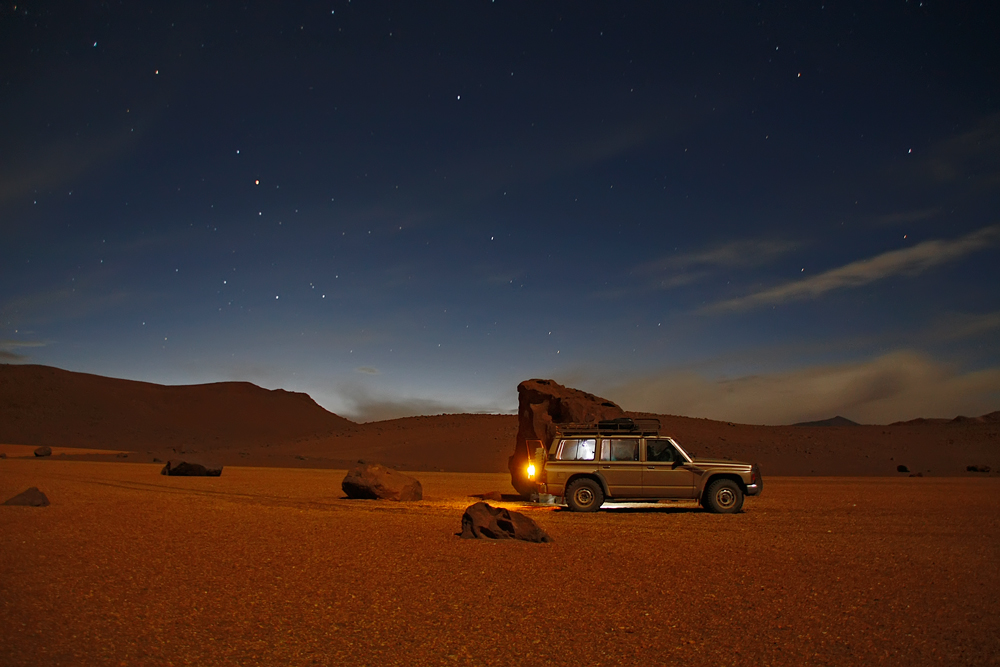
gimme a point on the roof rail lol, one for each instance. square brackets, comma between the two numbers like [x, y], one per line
[622, 425]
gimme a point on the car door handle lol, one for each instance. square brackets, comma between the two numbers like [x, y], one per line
[606, 467]
[650, 467]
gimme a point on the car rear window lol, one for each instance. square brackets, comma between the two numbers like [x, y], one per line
[577, 449]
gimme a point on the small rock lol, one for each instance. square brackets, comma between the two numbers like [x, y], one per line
[483, 521]
[977, 468]
[902, 468]
[176, 468]
[917, 474]
[156, 460]
[489, 495]
[30, 498]
[43, 451]
[3, 455]
[121, 455]
[377, 482]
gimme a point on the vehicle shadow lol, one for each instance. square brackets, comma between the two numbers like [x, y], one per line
[634, 508]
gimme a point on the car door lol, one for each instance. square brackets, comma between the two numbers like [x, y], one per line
[620, 467]
[664, 471]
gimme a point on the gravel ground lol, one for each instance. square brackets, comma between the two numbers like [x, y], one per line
[273, 567]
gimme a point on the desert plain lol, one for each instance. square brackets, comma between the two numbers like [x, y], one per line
[269, 566]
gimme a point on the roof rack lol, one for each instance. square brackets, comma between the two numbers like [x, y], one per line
[622, 425]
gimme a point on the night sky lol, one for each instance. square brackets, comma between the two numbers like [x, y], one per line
[764, 212]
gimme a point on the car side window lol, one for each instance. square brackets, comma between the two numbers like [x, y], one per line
[582, 449]
[619, 449]
[661, 451]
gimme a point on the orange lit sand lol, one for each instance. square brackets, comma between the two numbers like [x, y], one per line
[271, 566]
[15, 451]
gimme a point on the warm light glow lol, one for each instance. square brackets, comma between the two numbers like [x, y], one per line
[531, 470]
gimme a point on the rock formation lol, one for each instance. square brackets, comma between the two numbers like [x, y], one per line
[483, 521]
[373, 481]
[176, 468]
[43, 451]
[30, 498]
[541, 405]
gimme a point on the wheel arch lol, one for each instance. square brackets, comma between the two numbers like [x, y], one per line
[716, 476]
[587, 475]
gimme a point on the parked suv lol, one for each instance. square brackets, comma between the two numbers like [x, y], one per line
[630, 460]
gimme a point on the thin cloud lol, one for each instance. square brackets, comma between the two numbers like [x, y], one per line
[363, 405]
[22, 343]
[734, 254]
[367, 370]
[898, 386]
[7, 354]
[903, 217]
[673, 271]
[908, 261]
[972, 155]
[959, 326]
[59, 305]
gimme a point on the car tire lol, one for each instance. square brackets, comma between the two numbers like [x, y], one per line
[723, 496]
[584, 495]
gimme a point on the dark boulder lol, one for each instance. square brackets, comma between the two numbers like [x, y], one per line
[176, 468]
[541, 406]
[902, 468]
[30, 498]
[483, 521]
[43, 451]
[373, 481]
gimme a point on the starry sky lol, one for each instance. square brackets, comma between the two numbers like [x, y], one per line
[756, 211]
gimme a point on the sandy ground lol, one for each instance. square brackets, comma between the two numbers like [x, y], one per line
[25, 451]
[274, 567]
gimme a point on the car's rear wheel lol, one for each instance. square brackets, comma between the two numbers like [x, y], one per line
[724, 496]
[584, 495]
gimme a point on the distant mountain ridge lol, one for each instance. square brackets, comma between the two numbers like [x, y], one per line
[241, 424]
[833, 421]
[41, 405]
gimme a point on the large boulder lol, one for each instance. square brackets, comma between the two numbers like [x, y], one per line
[176, 468]
[373, 481]
[30, 498]
[541, 406]
[43, 451]
[483, 521]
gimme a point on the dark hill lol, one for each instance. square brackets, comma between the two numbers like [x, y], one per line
[832, 421]
[40, 405]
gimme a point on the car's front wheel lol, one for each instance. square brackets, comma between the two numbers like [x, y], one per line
[584, 495]
[724, 496]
